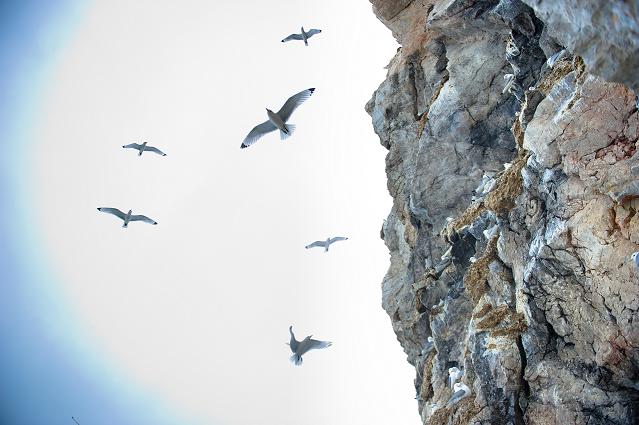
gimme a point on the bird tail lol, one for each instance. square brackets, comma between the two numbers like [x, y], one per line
[290, 128]
[296, 359]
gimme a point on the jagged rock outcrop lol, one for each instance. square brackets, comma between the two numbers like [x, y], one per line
[513, 167]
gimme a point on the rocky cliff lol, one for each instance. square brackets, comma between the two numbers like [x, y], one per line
[511, 128]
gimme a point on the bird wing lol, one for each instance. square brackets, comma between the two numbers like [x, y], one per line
[337, 239]
[294, 344]
[293, 102]
[459, 394]
[143, 218]
[311, 344]
[311, 33]
[132, 145]
[113, 211]
[316, 243]
[257, 132]
[293, 37]
[154, 149]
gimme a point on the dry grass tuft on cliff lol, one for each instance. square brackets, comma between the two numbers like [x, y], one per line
[508, 186]
[476, 278]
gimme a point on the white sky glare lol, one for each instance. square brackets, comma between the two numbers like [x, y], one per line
[195, 312]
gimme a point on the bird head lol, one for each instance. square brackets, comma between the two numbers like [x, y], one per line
[634, 256]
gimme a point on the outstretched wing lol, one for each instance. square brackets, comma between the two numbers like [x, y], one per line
[154, 149]
[311, 344]
[113, 211]
[257, 132]
[143, 218]
[294, 344]
[293, 37]
[337, 239]
[132, 146]
[311, 33]
[316, 243]
[293, 102]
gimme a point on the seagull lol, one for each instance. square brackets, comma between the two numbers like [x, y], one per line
[428, 347]
[75, 420]
[453, 375]
[460, 391]
[127, 217]
[305, 35]
[277, 120]
[301, 347]
[325, 244]
[143, 147]
[635, 257]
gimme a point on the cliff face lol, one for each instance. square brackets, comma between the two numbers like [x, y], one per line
[511, 130]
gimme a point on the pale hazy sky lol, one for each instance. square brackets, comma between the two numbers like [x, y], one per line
[185, 322]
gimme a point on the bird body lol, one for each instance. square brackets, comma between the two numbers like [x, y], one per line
[278, 120]
[460, 391]
[143, 148]
[635, 258]
[127, 217]
[303, 35]
[428, 347]
[453, 375]
[325, 244]
[299, 348]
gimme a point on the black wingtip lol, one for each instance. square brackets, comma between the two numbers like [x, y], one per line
[312, 90]
[100, 209]
[243, 146]
[155, 222]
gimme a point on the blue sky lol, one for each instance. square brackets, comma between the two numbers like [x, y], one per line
[48, 372]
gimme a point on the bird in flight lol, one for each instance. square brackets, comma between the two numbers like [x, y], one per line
[301, 347]
[305, 35]
[128, 217]
[277, 120]
[325, 244]
[143, 148]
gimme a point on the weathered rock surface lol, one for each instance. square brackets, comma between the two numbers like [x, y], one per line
[513, 167]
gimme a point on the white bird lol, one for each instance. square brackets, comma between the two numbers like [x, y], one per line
[453, 375]
[128, 217]
[305, 35]
[325, 244]
[277, 120]
[460, 391]
[428, 347]
[635, 258]
[301, 347]
[143, 148]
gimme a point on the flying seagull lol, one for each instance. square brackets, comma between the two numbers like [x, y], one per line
[301, 347]
[325, 244]
[635, 258]
[143, 148]
[453, 375]
[305, 35]
[75, 420]
[127, 217]
[460, 391]
[277, 120]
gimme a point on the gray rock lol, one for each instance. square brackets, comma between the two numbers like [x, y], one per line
[535, 298]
